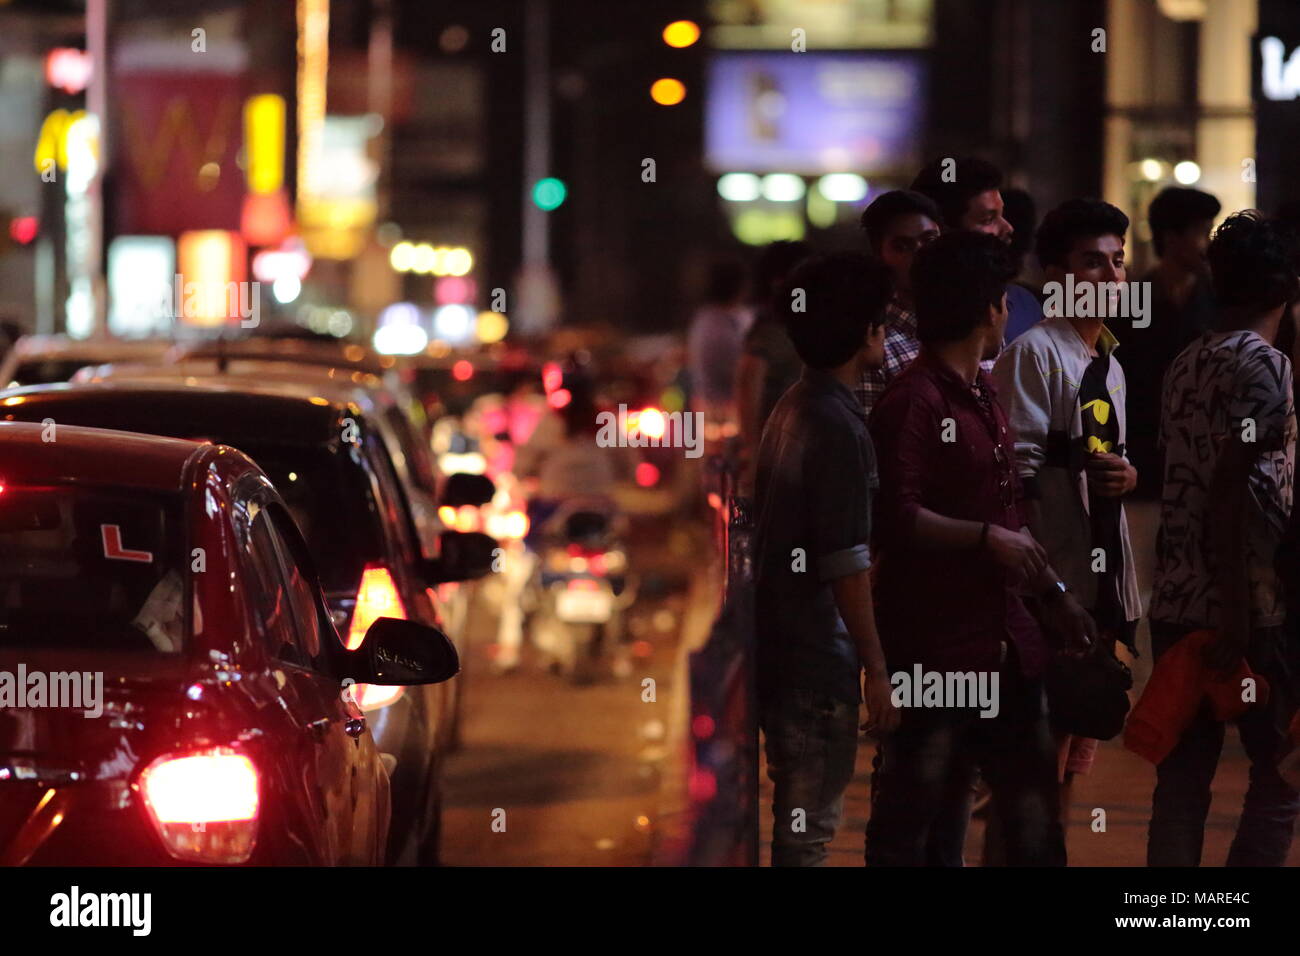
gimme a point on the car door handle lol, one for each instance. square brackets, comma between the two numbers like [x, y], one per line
[355, 727]
[318, 728]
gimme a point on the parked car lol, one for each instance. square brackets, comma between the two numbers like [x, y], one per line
[223, 732]
[422, 486]
[407, 441]
[331, 468]
[37, 359]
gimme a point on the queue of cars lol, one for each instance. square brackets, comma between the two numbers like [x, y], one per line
[320, 572]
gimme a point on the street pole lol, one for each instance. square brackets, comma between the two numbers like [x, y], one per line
[536, 294]
[97, 16]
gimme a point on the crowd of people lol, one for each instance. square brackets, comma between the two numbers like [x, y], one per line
[940, 454]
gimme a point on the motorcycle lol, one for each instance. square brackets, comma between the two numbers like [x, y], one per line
[581, 587]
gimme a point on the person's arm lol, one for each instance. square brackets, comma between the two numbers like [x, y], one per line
[1024, 394]
[841, 487]
[853, 600]
[909, 430]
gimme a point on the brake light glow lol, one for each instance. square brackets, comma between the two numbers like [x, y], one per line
[204, 805]
[375, 696]
[377, 597]
[513, 525]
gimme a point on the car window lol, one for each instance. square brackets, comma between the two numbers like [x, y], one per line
[45, 370]
[117, 553]
[268, 588]
[333, 503]
[414, 449]
[303, 588]
[393, 501]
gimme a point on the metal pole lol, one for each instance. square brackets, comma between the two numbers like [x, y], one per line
[537, 128]
[97, 17]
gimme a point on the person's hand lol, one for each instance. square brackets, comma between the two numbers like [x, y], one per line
[1017, 551]
[882, 715]
[1110, 475]
[1075, 625]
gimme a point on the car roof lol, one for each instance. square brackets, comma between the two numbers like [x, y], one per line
[317, 352]
[235, 371]
[97, 457]
[61, 346]
[259, 414]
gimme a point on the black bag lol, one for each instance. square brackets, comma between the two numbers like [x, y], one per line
[1088, 696]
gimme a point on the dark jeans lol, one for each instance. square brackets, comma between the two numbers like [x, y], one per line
[920, 795]
[812, 742]
[1181, 800]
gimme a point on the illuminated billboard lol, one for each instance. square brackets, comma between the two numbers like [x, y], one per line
[815, 113]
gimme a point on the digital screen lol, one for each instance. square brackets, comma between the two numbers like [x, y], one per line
[815, 113]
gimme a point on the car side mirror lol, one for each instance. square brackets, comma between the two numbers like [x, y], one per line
[465, 489]
[403, 652]
[463, 556]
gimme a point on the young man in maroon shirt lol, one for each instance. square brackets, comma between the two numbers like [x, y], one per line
[954, 554]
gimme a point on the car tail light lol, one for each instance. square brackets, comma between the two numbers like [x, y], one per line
[377, 597]
[464, 518]
[204, 805]
[374, 696]
[510, 526]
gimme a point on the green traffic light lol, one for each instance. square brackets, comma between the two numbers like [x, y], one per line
[549, 193]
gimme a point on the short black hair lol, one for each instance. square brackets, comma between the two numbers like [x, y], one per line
[1073, 220]
[954, 281]
[970, 177]
[887, 207]
[1176, 208]
[775, 262]
[843, 295]
[1251, 263]
[726, 280]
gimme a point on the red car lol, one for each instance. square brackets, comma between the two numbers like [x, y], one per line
[172, 689]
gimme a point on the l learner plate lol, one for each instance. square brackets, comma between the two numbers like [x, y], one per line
[583, 607]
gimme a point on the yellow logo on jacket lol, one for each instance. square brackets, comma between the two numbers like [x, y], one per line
[1100, 409]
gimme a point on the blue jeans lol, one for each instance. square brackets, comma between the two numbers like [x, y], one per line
[920, 794]
[1181, 801]
[811, 742]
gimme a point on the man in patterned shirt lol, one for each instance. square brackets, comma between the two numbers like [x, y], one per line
[897, 224]
[1228, 426]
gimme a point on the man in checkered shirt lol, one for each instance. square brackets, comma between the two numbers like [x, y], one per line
[897, 224]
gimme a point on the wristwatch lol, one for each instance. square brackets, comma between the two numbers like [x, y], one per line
[1054, 591]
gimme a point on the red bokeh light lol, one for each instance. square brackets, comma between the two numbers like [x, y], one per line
[23, 229]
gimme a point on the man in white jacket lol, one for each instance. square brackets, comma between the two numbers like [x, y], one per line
[1063, 391]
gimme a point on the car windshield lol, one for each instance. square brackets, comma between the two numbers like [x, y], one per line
[44, 371]
[91, 569]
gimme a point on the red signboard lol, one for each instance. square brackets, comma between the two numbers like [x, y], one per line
[174, 148]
